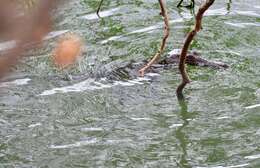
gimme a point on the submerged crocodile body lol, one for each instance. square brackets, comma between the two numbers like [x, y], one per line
[118, 71]
[193, 58]
[125, 73]
[130, 69]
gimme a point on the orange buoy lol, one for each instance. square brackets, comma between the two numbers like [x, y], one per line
[67, 51]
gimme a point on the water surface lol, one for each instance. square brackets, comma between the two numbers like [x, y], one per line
[47, 121]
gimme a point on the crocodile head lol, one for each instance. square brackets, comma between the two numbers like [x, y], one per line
[191, 58]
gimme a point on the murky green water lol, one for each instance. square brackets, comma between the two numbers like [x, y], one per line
[50, 122]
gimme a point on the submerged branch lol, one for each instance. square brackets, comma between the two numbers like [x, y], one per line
[163, 43]
[184, 51]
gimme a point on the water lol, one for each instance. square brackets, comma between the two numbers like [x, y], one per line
[47, 121]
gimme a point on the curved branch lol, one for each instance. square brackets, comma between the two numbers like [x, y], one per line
[99, 7]
[184, 51]
[192, 3]
[163, 43]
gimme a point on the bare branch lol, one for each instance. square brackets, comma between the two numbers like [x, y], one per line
[188, 40]
[99, 7]
[163, 43]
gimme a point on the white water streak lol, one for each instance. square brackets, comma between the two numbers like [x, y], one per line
[74, 145]
[16, 82]
[252, 157]
[91, 84]
[7, 45]
[234, 166]
[253, 106]
[102, 14]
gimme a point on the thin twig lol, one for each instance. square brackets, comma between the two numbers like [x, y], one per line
[192, 3]
[163, 43]
[188, 40]
[179, 4]
[99, 8]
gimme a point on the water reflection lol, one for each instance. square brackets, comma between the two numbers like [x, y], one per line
[128, 124]
[181, 135]
[229, 6]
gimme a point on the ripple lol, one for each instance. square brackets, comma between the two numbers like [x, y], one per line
[235, 166]
[175, 125]
[35, 125]
[74, 145]
[3, 122]
[140, 119]
[253, 157]
[91, 84]
[16, 82]
[102, 14]
[12, 43]
[55, 34]
[224, 117]
[228, 52]
[212, 12]
[92, 129]
[116, 141]
[148, 29]
[252, 106]
[247, 13]
[111, 39]
[242, 25]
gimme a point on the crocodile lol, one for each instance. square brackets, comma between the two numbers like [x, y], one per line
[129, 70]
[125, 73]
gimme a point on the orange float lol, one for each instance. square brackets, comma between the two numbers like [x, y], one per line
[67, 51]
